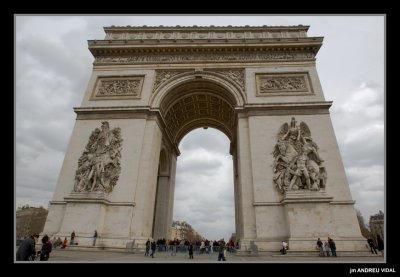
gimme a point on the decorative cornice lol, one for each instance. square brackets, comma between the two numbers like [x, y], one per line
[204, 44]
[317, 107]
[205, 32]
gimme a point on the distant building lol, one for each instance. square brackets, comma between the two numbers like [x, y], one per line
[176, 232]
[182, 230]
[376, 224]
[29, 221]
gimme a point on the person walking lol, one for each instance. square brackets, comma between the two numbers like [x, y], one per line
[72, 238]
[153, 248]
[46, 249]
[147, 247]
[191, 250]
[94, 237]
[372, 245]
[332, 246]
[320, 247]
[27, 248]
[380, 244]
[221, 249]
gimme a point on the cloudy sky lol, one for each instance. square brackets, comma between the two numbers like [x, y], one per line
[53, 66]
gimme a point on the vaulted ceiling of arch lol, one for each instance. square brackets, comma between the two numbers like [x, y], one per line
[198, 105]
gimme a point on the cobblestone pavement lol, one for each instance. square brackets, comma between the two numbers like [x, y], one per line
[60, 255]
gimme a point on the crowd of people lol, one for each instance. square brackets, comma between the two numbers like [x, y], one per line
[27, 250]
[186, 246]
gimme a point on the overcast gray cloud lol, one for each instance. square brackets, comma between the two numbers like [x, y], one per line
[53, 66]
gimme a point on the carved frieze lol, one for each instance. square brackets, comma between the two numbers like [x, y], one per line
[99, 166]
[283, 84]
[235, 74]
[129, 87]
[297, 164]
[163, 76]
[184, 57]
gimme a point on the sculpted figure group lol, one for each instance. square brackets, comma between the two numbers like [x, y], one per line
[99, 166]
[297, 163]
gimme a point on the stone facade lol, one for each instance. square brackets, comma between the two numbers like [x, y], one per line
[156, 84]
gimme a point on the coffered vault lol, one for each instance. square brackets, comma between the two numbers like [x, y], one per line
[198, 104]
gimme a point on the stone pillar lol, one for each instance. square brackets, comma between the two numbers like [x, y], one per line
[171, 193]
[145, 194]
[246, 215]
[238, 223]
[161, 209]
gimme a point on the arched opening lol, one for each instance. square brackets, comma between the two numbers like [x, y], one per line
[204, 195]
[198, 103]
[194, 105]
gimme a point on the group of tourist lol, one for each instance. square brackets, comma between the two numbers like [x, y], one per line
[326, 248]
[27, 250]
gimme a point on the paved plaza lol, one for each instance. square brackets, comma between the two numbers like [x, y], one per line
[102, 256]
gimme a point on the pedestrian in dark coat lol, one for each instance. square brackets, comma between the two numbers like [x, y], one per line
[153, 248]
[46, 249]
[27, 248]
[191, 251]
[333, 246]
[372, 245]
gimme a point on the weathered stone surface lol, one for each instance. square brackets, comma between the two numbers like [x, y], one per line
[155, 85]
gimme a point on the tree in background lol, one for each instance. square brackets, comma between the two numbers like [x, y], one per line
[365, 232]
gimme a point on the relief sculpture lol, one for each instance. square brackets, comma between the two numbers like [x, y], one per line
[297, 164]
[99, 166]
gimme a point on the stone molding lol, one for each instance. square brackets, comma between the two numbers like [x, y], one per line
[247, 110]
[93, 197]
[306, 197]
[267, 204]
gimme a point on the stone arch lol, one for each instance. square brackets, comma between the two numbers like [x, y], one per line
[161, 92]
[186, 103]
[198, 99]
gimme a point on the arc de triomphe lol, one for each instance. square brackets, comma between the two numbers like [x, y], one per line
[150, 86]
